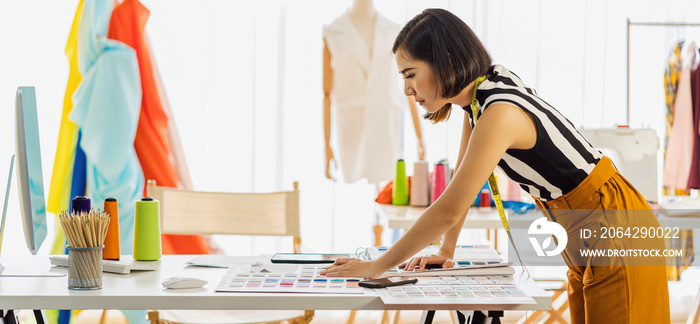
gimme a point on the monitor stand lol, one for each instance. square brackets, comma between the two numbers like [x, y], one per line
[32, 270]
[23, 269]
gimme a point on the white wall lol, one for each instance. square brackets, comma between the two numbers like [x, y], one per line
[244, 82]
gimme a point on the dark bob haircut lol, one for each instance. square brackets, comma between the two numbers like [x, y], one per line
[449, 47]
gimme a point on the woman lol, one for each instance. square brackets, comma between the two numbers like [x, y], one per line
[442, 61]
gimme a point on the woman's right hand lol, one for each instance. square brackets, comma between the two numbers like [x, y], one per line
[423, 261]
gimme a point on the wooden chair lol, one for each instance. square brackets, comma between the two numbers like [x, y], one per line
[209, 213]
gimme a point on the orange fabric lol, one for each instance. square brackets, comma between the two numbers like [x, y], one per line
[384, 195]
[183, 244]
[610, 294]
[151, 143]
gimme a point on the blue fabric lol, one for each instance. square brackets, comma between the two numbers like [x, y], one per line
[63, 316]
[77, 187]
[106, 108]
[517, 207]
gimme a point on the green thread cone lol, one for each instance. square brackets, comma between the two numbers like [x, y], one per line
[399, 195]
[147, 230]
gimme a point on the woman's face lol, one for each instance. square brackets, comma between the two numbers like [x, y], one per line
[420, 82]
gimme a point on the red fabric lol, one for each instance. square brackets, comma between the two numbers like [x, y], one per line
[127, 25]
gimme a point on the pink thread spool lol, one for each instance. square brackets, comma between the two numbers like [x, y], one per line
[438, 181]
[420, 185]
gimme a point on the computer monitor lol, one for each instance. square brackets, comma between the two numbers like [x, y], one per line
[30, 183]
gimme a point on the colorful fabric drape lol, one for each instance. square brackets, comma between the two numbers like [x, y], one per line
[106, 108]
[151, 142]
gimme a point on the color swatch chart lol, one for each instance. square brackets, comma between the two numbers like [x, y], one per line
[457, 290]
[305, 280]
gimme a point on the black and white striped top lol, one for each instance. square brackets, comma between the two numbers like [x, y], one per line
[561, 157]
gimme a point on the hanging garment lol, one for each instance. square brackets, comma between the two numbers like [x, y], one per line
[151, 142]
[365, 96]
[671, 76]
[106, 109]
[694, 177]
[680, 142]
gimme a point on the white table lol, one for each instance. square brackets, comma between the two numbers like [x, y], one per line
[402, 217]
[143, 290]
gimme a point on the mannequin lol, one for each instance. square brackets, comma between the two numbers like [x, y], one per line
[371, 28]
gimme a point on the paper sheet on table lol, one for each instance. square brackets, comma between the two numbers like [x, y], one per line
[219, 261]
[251, 264]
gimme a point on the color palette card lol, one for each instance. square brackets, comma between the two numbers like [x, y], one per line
[457, 290]
[306, 279]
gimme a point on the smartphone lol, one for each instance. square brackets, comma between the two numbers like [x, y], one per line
[387, 282]
[307, 257]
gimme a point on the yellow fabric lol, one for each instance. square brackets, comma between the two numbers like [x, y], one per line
[609, 293]
[59, 193]
[51, 316]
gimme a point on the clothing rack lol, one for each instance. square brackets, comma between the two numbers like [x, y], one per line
[659, 24]
[694, 314]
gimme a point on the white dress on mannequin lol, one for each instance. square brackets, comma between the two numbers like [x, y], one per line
[365, 97]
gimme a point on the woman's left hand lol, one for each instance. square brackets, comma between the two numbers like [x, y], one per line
[353, 268]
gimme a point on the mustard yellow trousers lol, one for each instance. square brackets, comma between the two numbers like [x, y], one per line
[609, 293]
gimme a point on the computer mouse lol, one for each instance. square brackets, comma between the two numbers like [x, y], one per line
[183, 282]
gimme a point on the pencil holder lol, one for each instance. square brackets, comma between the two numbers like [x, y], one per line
[147, 230]
[84, 267]
[112, 249]
[399, 195]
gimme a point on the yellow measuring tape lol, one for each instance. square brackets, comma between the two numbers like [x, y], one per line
[492, 180]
